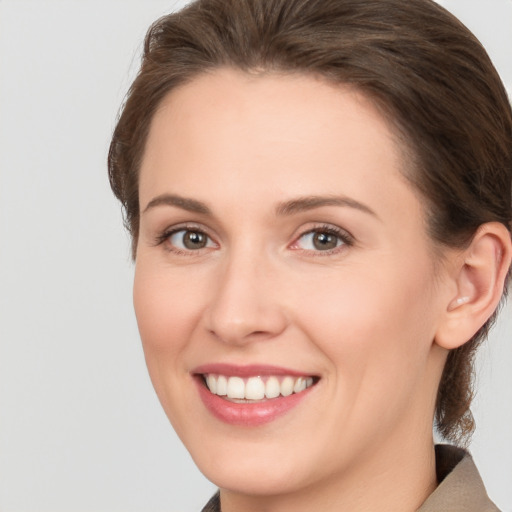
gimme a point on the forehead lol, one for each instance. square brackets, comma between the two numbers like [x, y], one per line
[226, 122]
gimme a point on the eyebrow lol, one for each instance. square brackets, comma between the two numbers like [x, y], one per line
[291, 207]
[306, 203]
[191, 205]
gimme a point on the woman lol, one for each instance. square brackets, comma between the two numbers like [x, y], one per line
[319, 195]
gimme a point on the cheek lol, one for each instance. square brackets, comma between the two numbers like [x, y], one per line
[375, 327]
[167, 310]
[373, 333]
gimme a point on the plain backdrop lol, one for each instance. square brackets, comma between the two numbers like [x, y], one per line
[80, 426]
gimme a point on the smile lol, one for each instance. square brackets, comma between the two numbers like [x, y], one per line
[251, 396]
[256, 388]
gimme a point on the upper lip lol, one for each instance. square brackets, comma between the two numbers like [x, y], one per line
[251, 370]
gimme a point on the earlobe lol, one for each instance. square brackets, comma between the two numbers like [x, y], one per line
[480, 279]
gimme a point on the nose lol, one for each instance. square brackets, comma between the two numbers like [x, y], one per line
[245, 305]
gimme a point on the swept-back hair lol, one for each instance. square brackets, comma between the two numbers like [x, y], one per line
[421, 67]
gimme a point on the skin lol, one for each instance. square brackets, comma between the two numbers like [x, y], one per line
[362, 317]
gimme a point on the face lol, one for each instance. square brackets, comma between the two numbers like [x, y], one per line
[285, 289]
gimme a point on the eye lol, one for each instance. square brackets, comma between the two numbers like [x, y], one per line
[323, 239]
[188, 240]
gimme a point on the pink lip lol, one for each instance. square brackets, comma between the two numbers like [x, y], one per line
[231, 370]
[246, 414]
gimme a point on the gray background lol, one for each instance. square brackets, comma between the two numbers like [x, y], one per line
[80, 427]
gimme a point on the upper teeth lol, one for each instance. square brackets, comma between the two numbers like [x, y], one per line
[256, 388]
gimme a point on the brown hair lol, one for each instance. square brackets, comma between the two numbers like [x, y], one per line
[422, 68]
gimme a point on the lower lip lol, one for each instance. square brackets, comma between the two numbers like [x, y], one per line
[248, 414]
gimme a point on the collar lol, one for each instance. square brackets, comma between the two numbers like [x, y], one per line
[460, 486]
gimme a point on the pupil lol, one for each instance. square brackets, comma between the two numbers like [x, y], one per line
[194, 240]
[324, 241]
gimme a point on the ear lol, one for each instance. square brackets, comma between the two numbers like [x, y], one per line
[479, 275]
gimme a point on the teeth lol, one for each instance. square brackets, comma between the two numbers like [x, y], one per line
[236, 387]
[287, 386]
[222, 386]
[300, 385]
[212, 383]
[272, 388]
[256, 388]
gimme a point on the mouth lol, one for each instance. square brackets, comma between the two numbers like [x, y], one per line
[251, 396]
[257, 388]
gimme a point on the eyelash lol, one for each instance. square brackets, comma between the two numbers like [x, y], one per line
[164, 237]
[347, 240]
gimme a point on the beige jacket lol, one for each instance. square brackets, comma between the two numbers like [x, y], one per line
[460, 489]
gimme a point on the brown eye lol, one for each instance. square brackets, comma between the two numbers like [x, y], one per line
[322, 240]
[325, 241]
[189, 240]
[194, 240]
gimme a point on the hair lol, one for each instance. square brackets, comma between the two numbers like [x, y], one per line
[421, 67]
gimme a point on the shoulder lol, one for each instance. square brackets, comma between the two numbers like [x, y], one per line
[460, 488]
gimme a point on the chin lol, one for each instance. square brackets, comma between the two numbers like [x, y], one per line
[259, 466]
[257, 478]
